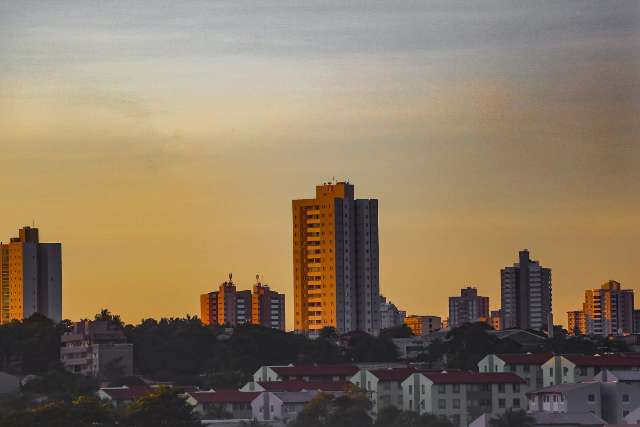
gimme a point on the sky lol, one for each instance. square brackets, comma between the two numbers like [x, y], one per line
[162, 142]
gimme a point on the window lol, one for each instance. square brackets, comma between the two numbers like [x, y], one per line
[565, 371]
[526, 368]
[516, 403]
[442, 388]
[442, 404]
[502, 403]
[456, 403]
[583, 371]
[516, 388]
[422, 404]
[500, 388]
[551, 371]
[410, 389]
[625, 397]
[456, 388]
[422, 387]
[591, 398]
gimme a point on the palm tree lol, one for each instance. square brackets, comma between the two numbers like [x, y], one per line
[513, 418]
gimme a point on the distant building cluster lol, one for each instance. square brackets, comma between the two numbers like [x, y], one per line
[30, 277]
[231, 307]
[390, 315]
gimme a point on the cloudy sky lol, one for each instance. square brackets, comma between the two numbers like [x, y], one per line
[162, 141]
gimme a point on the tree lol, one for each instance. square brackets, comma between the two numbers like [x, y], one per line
[391, 416]
[401, 331]
[162, 407]
[513, 418]
[325, 410]
[106, 315]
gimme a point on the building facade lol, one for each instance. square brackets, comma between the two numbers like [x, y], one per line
[390, 316]
[97, 348]
[468, 308]
[496, 320]
[336, 261]
[30, 277]
[526, 294]
[607, 311]
[423, 325]
[228, 306]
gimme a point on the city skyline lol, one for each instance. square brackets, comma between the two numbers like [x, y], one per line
[162, 146]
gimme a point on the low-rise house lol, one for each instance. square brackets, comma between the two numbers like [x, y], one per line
[576, 368]
[310, 373]
[527, 366]
[382, 386]
[280, 408]
[97, 348]
[412, 347]
[222, 404]
[122, 396]
[528, 340]
[463, 396]
[297, 385]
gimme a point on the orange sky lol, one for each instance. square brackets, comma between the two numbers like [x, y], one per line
[163, 147]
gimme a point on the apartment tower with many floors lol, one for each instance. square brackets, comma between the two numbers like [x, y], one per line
[336, 261]
[526, 295]
[30, 277]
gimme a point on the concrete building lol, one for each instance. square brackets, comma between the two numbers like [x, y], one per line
[336, 261]
[267, 307]
[468, 308]
[383, 387]
[496, 320]
[423, 325]
[607, 311]
[390, 316]
[463, 396]
[30, 277]
[228, 306]
[97, 348]
[526, 366]
[526, 294]
[410, 348]
[568, 368]
[280, 408]
[232, 404]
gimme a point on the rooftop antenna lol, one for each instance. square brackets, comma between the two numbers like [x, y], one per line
[230, 277]
[258, 279]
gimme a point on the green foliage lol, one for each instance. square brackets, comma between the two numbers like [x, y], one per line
[513, 418]
[391, 416]
[162, 407]
[402, 331]
[61, 385]
[82, 412]
[325, 410]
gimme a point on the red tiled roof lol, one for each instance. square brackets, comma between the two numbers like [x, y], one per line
[526, 359]
[393, 374]
[473, 378]
[607, 360]
[296, 385]
[315, 370]
[224, 396]
[130, 393]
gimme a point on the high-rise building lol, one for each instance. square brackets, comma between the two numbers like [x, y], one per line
[30, 277]
[335, 261]
[608, 310]
[423, 325]
[390, 316]
[267, 307]
[468, 308]
[526, 295]
[228, 306]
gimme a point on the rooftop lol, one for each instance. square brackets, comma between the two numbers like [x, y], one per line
[224, 396]
[316, 370]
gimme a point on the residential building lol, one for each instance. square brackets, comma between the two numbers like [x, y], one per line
[30, 277]
[297, 385]
[97, 348]
[636, 321]
[267, 307]
[496, 320]
[463, 396]
[610, 400]
[468, 308]
[280, 408]
[224, 403]
[423, 325]
[336, 261]
[412, 347]
[553, 419]
[309, 373]
[607, 311]
[527, 366]
[229, 306]
[571, 368]
[382, 386]
[526, 295]
[390, 316]
[576, 322]
[529, 341]
[122, 396]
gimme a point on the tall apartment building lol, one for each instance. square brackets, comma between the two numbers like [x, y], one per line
[468, 308]
[267, 307]
[423, 325]
[390, 316]
[97, 348]
[30, 277]
[526, 295]
[608, 310]
[228, 306]
[335, 261]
